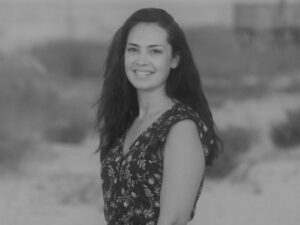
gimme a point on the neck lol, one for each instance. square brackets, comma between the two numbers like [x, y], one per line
[152, 102]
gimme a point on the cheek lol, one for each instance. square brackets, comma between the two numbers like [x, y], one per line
[164, 65]
[126, 61]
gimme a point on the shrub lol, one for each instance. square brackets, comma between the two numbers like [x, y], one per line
[25, 95]
[70, 132]
[12, 150]
[287, 134]
[70, 188]
[76, 59]
[237, 141]
[69, 120]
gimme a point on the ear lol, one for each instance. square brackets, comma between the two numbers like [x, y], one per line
[175, 61]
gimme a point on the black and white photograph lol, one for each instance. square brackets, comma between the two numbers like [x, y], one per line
[149, 112]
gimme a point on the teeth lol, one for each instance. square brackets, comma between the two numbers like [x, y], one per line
[142, 73]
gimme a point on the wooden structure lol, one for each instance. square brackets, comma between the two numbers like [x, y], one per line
[276, 21]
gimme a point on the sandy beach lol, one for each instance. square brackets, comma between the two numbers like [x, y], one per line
[59, 184]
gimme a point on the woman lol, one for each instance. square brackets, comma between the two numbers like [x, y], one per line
[156, 129]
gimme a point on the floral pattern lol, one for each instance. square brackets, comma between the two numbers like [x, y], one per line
[131, 182]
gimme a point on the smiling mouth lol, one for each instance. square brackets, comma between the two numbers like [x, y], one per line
[143, 73]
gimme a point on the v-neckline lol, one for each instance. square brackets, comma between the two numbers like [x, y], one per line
[159, 118]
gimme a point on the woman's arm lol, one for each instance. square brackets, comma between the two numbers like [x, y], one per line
[184, 164]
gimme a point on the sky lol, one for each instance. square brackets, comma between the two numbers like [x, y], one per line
[110, 14]
[155, 1]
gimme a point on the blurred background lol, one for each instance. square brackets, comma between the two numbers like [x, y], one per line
[51, 60]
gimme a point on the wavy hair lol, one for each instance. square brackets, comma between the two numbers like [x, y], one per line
[118, 105]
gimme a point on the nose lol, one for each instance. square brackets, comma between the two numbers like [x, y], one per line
[142, 59]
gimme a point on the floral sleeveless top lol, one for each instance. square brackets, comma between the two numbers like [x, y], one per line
[131, 182]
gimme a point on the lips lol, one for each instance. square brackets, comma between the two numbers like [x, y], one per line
[143, 72]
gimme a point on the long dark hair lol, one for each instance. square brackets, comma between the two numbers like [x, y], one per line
[118, 105]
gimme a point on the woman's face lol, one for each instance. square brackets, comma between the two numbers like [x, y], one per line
[148, 57]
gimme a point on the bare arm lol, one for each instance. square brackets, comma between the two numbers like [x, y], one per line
[184, 164]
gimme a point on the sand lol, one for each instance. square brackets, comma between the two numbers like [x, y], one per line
[60, 184]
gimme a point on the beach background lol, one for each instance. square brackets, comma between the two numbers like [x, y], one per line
[51, 64]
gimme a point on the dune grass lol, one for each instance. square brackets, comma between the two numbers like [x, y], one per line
[13, 150]
[36, 106]
[237, 141]
[75, 59]
[48, 91]
[286, 134]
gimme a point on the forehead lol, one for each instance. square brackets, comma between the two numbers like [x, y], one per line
[147, 34]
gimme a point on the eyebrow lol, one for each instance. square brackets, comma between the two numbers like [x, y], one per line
[151, 46]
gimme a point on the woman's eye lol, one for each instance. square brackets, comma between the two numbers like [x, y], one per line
[130, 49]
[156, 51]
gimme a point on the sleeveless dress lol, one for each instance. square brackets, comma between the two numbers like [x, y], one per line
[131, 182]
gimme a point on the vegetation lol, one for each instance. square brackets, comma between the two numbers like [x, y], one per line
[69, 121]
[12, 150]
[25, 92]
[48, 91]
[229, 69]
[287, 134]
[35, 106]
[232, 70]
[75, 59]
[237, 141]
[219, 52]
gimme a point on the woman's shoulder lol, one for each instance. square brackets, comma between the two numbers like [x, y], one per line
[182, 111]
[184, 118]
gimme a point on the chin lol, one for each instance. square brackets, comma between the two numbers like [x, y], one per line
[147, 86]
